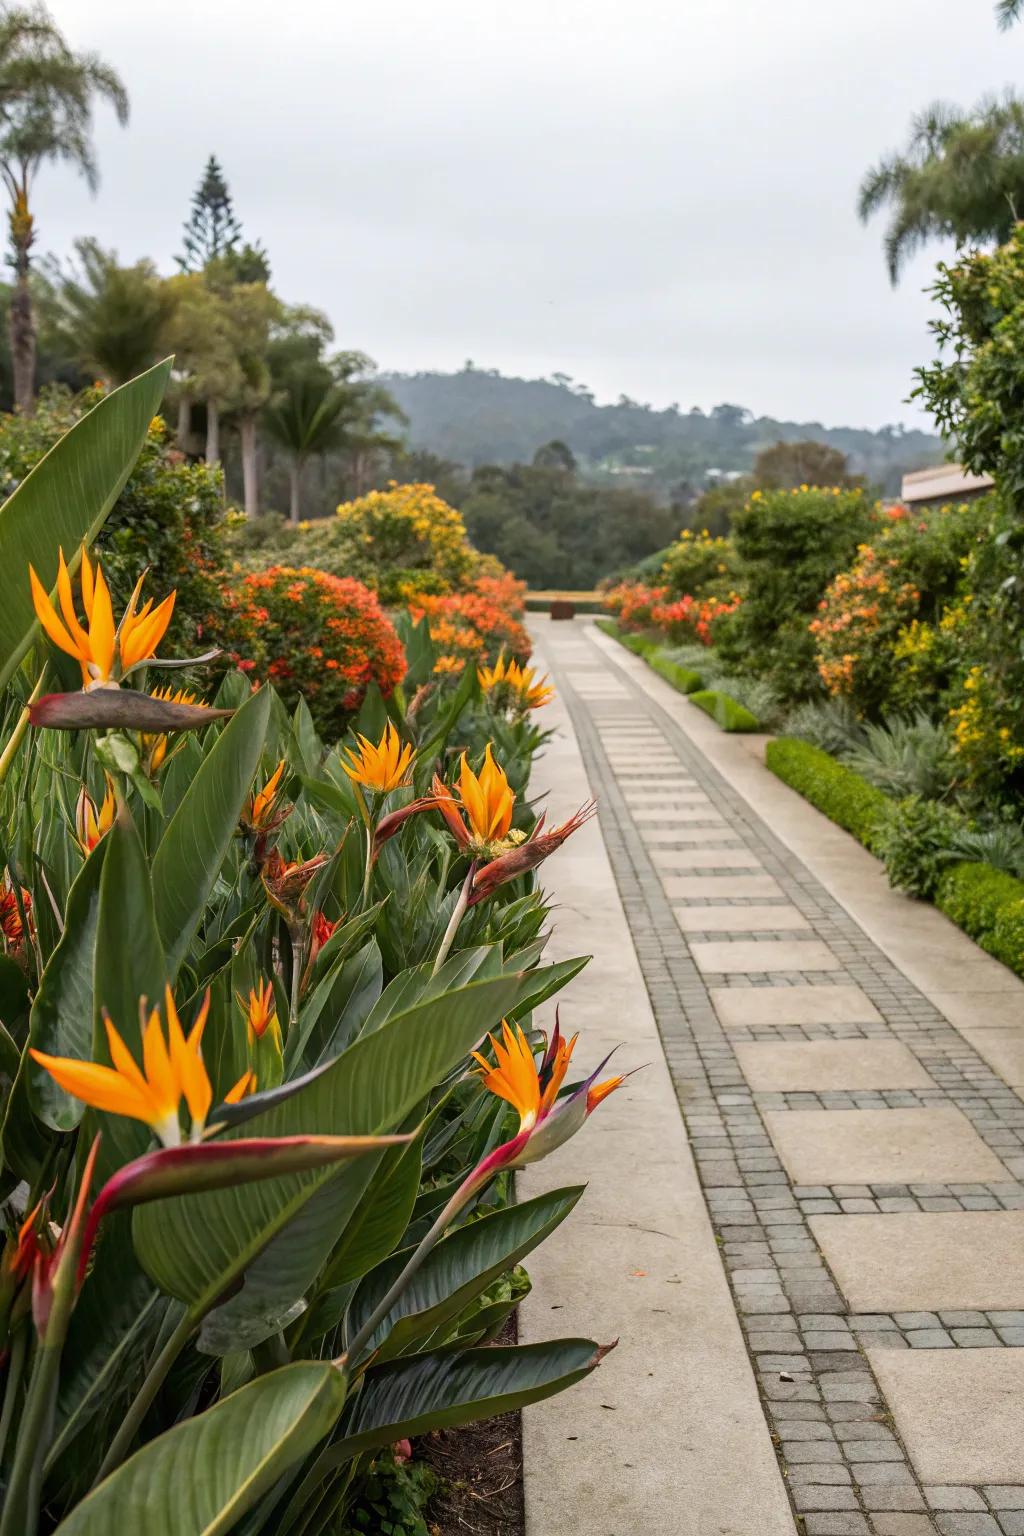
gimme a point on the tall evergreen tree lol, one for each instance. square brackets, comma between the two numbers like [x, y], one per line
[212, 230]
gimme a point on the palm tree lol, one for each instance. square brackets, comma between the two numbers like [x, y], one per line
[308, 419]
[961, 177]
[109, 319]
[1009, 11]
[47, 93]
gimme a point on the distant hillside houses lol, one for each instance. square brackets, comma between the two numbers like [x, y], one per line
[477, 416]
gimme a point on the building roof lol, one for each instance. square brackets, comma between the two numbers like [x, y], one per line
[943, 482]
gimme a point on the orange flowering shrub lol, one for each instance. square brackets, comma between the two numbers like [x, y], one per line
[324, 637]
[860, 617]
[633, 603]
[476, 625]
[888, 631]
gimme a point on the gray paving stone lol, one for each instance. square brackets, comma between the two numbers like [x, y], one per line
[836, 1525]
[720, 887]
[741, 956]
[959, 1412]
[721, 918]
[877, 1145]
[954, 1499]
[789, 1066]
[926, 1261]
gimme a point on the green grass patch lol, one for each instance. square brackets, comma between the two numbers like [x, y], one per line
[988, 904]
[724, 711]
[837, 791]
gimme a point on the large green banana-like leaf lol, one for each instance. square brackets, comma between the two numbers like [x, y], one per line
[383, 1215]
[444, 1389]
[547, 980]
[65, 499]
[196, 1246]
[199, 834]
[457, 1270]
[61, 1022]
[112, 1328]
[199, 1478]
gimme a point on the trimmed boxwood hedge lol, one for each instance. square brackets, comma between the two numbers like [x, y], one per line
[725, 711]
[638, 644]
[683, 679]
[988, 904]
[837, 791]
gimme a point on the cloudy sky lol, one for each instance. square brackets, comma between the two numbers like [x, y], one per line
[654, 196]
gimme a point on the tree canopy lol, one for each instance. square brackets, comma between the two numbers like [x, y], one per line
[960, 177]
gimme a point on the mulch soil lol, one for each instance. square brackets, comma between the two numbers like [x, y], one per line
[481, 1472]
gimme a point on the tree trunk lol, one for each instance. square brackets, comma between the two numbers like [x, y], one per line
[296, 476]
[23, 346]
[184, 431]
[250, 466]
[212, 432]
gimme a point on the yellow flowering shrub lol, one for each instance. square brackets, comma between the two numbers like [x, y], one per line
[415, 541]
[400, 541]
[699, 565]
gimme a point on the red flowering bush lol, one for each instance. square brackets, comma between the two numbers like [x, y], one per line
[633, 603]
[324, 637]
[476, 625]
[692, 618]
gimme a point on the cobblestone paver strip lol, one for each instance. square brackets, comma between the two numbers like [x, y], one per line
[713, 988]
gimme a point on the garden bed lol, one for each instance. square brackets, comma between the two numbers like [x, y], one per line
[987, 903]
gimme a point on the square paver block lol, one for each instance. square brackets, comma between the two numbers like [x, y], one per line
[704, 858]
[727, 919]
[720, 887]
[657, 834]
[960, 1412]
[926, 1261]
[1003, 1049]
[739, 1006]
[881, 1146]
[807, 1066]
[677, 813]
[725, 959]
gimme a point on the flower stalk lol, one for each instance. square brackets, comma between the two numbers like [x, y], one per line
[458, 913]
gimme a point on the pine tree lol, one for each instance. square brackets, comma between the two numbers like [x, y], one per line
[212, 230]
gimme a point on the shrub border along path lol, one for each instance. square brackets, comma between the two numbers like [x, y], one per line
[922, 976]
[986, 903]
[727, 713]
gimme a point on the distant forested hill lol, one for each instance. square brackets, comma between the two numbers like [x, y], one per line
[480, 417]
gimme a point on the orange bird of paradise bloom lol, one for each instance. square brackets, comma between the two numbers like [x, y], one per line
[383, 767]
[105, 653]
[172, 1069]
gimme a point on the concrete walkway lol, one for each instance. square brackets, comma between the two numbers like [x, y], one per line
[844, 1067]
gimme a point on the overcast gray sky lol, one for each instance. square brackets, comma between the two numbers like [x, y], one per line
[654, 196]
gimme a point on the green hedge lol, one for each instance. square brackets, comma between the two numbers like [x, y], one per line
[725, 711]
[988, 904]
[683, 679]
[837, 791]
[640, 645]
